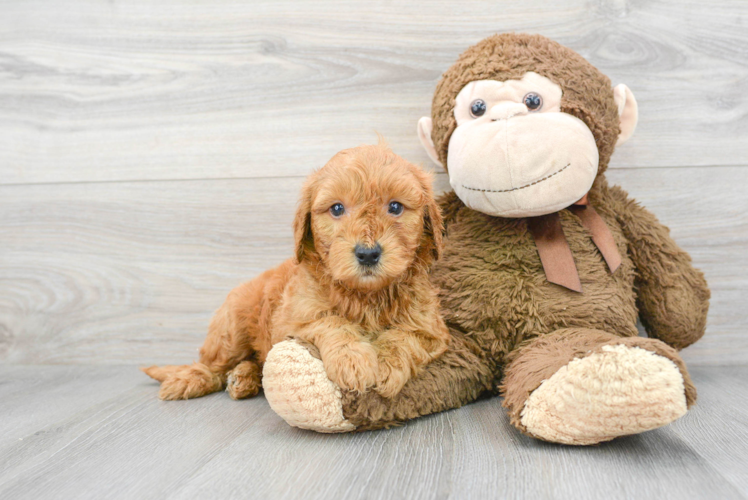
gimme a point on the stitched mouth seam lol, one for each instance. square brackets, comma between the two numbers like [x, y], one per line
[521, 187]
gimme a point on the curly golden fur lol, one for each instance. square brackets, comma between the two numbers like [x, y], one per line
[375, 325]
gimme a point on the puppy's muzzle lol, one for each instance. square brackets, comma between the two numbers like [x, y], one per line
[368, 256]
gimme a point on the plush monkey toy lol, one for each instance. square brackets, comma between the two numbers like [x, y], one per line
[545, 268]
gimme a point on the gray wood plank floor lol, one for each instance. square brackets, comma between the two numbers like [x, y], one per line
[101, 432]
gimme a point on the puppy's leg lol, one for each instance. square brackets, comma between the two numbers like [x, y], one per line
[402, 353]
[235, 334]
[351, 364]
[349, 359]
[245, 380]
[223, 349]
[185, 381]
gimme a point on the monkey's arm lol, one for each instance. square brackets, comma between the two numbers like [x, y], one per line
[672, 296]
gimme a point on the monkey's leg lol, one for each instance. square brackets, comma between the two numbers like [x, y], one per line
[582, 386]
[298, 389]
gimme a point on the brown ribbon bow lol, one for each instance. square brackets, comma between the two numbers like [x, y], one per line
[555, 254]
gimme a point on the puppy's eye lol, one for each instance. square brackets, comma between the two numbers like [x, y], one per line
[533, 101]
[395, 208]
[478, 108]
[337, 210]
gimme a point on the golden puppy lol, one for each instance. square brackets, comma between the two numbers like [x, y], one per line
[366, 232]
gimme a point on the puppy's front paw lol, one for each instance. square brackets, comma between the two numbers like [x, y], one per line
[352, 366]
[391, 380]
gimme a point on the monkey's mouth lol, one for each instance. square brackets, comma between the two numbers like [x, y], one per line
[533, 183]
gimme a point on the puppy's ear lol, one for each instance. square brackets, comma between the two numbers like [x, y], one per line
[433, 223]
[302, 224]
[433, 227]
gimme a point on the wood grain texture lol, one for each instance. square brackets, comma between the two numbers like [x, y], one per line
[102, 91]
[34, 396]
[720, 427]
[131, 272]
[128, 444]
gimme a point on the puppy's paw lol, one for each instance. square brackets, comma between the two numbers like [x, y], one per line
[353, 366]
[190, 381]
[244, 381]
[391, 380]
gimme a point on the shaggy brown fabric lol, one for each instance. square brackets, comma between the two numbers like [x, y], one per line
[672, 296]
[537, 360]
[494, 294]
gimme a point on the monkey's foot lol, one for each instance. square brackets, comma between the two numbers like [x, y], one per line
[298, 389]
[618, 391]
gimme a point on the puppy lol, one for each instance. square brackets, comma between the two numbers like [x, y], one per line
[366, 233]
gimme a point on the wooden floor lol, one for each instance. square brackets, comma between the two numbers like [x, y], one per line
[151, 153]
[99, 432]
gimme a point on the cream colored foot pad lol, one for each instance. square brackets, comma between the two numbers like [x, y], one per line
[298, 390]
[620, 391]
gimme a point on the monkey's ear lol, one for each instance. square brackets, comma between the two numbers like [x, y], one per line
[425, 125]
[628, 112]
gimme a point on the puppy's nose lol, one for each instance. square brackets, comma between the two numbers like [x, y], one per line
[368, 256]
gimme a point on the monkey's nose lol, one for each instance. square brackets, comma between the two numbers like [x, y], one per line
[368, 256]
[505, 110]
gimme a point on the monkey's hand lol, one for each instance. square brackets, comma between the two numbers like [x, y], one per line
[672, 295]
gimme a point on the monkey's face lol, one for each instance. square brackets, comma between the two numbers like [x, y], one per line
[524, 125]
[514, 153]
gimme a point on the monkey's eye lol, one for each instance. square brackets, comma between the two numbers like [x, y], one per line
[337, 210]
[478, 108]
[395, 208]
[533, 101]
